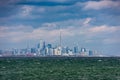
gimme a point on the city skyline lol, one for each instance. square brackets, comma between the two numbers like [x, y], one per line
[43, 49]
[92, 24]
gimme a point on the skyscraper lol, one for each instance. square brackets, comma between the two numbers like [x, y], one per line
[49, 45]
[40, 47]
[59, 50]
[76, 49]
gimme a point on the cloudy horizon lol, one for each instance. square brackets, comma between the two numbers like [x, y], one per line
[92, 24]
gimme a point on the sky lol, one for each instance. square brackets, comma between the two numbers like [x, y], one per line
[93, 24]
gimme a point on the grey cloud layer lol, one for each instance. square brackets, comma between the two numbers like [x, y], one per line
[93, 23]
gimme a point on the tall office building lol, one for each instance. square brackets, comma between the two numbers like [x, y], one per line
[59, 48]
[90, 53]
[64, 50]
[50, 51]
[83, 50]
[76, 50]
[41, 44]
[28, 48]
[44, 45]
[49, 45]
[33, 50]
[40, 47]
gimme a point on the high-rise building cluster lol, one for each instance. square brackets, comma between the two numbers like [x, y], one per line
[43, 49]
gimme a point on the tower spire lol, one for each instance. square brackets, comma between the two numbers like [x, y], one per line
[60, 37]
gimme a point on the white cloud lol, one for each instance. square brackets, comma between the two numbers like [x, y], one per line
[26, 10]
[50, 31]
[87, 21]
[19, 34]
[16, 28]
[49, 25]
[101, 4]
[103, 28]
[71, 22]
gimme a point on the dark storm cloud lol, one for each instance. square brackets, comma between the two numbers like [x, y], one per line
[7, 2]
[8, 8]
[44, 3]
[51, 2]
